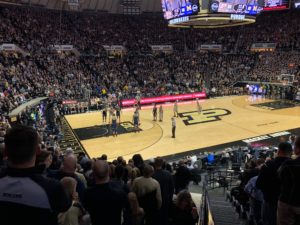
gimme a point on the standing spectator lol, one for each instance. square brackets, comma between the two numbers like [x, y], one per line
[182, 177]
[138, 162]
[24, 193]
[136, 211]
[268, 182]
[75, 212]
[69, 170]
[166, 183]
[149, 195]
[288, 212]
[104, 202]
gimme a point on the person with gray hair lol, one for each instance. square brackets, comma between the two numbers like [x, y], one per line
[103, 201]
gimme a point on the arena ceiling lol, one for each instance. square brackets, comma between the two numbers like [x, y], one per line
[112, 6]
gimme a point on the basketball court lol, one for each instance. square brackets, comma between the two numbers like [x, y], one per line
[223, 121]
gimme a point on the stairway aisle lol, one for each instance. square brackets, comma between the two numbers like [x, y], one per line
[69, 139]
[223, 212]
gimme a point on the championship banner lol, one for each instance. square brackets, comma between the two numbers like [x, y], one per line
[165, 98]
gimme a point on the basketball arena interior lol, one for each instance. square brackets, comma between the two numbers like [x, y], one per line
[149, 112]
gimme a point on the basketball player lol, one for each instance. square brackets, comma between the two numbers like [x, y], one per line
[104, 115]
[138, 101]
[175, 109]
[136, 121]
[114, 125]
[199, 107]
[111, 112]
[154, 112]
[118, 113]
[161, 113]
[173, 126]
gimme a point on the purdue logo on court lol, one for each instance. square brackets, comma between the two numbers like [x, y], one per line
[207, 115]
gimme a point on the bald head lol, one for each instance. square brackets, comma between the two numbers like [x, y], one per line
[70, 163]
[101, 171]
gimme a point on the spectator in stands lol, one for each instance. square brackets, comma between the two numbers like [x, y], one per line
[68, 169]
[268, 182]
[251, 170]
[288, 212]
[76, 211]
[43, 161]
[166, 183]
[118, 179]
[136, 211]
[148, 192]
[138, 162]
[25, 195]
[255, 200]
[182, 177]
[104, 202]
[184, 211]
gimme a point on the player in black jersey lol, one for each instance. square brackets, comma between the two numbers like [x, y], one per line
[104, 115]
[118, 113]
[154, 112]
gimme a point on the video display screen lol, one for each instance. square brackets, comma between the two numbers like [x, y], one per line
[250, 7]
[270, 5]
[297, 4]
[256, 89]
[179, 8]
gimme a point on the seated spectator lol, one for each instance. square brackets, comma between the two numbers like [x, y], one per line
[184, 211]
[75, 212]
[256, 200]
[288, 212]
[104, 202]
[25, 195]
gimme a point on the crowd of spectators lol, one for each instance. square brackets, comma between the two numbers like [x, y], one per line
[62, 188]
[43, 72]
[268, 184]
[36, 178]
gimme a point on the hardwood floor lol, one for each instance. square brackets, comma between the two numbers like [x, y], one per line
[223, 120]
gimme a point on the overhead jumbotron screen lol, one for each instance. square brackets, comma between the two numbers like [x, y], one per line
[250, 7]
[178, 8]
[270, 5]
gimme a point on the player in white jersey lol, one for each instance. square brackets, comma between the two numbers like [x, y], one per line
[175, 109]
[199, 107]
[161, 113]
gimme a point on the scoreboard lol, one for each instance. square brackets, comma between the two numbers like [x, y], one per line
[179, 8]
[270, 5]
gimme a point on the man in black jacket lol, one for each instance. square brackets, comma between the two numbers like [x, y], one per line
[27, 197]
[104, 201]
[182, 177]
[268, 182]
[289, 200]
[166, 182]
